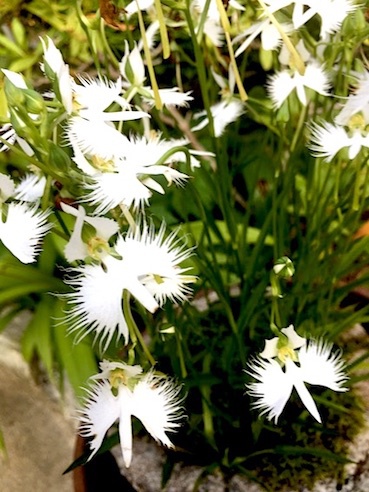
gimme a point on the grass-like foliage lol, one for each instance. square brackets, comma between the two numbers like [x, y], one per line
[184, 199]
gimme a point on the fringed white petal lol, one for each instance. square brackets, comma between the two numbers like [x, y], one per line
[97, 301]
[169, 97]
[327, 140]
[108, 190]
[158, 267]
[280, 87]
[23, 230]
[96, 94]
[157, 405]
[31, 188]
[273, 388]
[321, 366]
[97, 138]
[101, 410]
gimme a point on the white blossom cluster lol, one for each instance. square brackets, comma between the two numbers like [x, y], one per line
[118, 172]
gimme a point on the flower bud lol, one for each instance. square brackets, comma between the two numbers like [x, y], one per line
[132, 67]
[283, 267]
[34, 102]
[14, 95]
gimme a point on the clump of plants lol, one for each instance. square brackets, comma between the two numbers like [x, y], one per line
[182, 204]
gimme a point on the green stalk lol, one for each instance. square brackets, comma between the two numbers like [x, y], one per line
[275, 317]
[227, 27]
[32, 160]
[201, 24]
[299, 129]
[200, 65]
[150, 66]
[297, 60]
[84, 23]
[134, 332]
[206, 412]
[106, 45]
[182, 362]
[163, 30]
[46, 196]
[356, 196]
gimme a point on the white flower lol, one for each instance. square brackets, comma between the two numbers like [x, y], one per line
[299, 362]
[223, 112]
[284, 56]
[23, 230]
[97, 138]
[7, 132]
[125, 178]
[98, 245]
[136, 5]
[93, 96]
[171, 96]
[328, 139]
[357, 102]
[269, 34]
[31, 188]
[15, 78]
[283, 83]
[54, 61]
[132, 67]
[153, 399]
[24, 226]
[332, 12]
[148, 267]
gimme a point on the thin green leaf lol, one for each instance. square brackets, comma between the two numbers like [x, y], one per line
[108, 443]
[37, 336]
[78, 359]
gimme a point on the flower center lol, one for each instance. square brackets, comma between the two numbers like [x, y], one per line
[357, 122]
[158, 279]
[285, 353]
[97, 247]
[117, 377]
[104, 165]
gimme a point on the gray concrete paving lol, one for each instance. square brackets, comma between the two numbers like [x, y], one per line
[39, 437]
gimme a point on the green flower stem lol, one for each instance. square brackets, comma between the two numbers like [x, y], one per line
[175, 150]
[215, 276]
[358, 181]
[201, 24]
[227, 27]
[84, 23]
[299, 129]
[200, 65]
[297, 60]
[33, 160]
[134, 332]
[206, 412]
[66, 234]
[182, 362]
[150, 67]
[106, 45]
[128, 216]
[163, 30]
[275, 317]
[46, 196]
